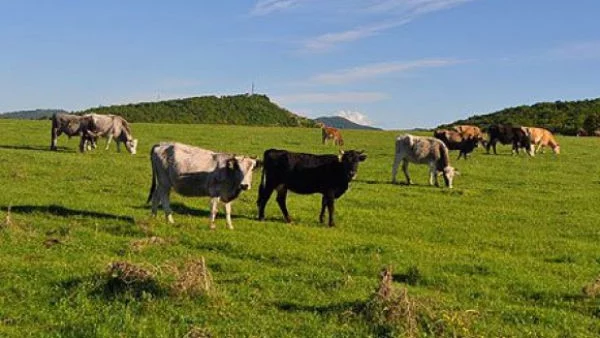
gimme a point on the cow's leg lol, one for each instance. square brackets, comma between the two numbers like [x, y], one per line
[323, 205]
[405, 170]
[331, 208]
[281, 196]
[397, 160]
[118, 146]
[82, 143]
[264, 193]
[228, 215]
[214, 204]
[165, 200]
[108, 139]
[461, 153]
[53, 138]
[433, 179]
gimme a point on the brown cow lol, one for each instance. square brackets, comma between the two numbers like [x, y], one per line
[455, 141]
[540, 138]
[330, 133]
[469, 131]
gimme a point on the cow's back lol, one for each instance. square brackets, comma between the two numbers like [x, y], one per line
[419, 149]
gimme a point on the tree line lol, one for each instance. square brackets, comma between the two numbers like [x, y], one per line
[236, 109]
[564, 117]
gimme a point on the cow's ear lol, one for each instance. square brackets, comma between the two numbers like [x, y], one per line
[258, 164]
[362, 157]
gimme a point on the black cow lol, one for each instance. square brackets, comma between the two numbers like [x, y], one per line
[306, 174]
[508, 134]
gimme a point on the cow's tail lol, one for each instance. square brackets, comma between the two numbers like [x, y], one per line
[153, 187]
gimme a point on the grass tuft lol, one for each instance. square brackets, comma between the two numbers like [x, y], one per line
[193, 279]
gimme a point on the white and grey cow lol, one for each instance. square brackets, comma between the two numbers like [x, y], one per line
[423, 150]
[113, 127]
[71, 125]
[194, 171]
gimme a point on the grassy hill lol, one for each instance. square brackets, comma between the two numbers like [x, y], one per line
[38, 114]
[504, 254]
[342, 123]
[564, 117]
[237, 109]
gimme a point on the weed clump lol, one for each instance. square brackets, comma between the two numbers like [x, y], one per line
[593, 289]
[128, 278]
[193, 279]
[391, 313]
[390, 310]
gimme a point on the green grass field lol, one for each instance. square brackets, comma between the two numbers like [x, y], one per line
[505, 253]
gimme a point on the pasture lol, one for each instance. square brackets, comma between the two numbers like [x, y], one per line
[504, 253]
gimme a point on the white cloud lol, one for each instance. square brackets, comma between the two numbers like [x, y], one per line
[398, 13]
[264, 7]
[377, 70]
[329, 40]
[355, 117]
[340, 97]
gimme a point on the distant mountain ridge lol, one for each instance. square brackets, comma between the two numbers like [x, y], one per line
[37, 114]
[342, 123]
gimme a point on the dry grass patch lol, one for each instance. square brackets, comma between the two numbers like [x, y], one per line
[141, 244]
[198, 332]
[592, 290]
[193, 278]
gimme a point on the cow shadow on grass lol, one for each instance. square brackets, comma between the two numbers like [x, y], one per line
[372, 181]
[38, 148]
[116, 228]
[182, 209]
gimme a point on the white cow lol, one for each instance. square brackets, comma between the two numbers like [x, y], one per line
[423, 150]
[113, 126]
[194, 171]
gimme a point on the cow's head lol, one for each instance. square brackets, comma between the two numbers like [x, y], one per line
[556, 149]
[131, 146]
[350, 160]
[448, 173]
[230, 177]
[248, 165]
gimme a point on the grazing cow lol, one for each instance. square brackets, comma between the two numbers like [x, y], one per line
[455, 141]
[113, 126]
[582, 132]
[71, 125]
[508, 134]
[193, 171]
[540, 138]
[301, 173]
[330, 133]
[423, 150]
[469, 131]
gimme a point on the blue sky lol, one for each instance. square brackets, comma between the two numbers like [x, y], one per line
[391, 63]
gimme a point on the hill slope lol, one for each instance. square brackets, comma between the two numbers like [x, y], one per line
[37, 114]
[342, 123]
[237, 109]
[565, 117]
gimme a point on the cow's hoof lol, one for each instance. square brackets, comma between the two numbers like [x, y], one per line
[170, 219]
[229, 226]
[212, 227]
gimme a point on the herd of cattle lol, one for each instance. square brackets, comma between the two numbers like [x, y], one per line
[193, 171]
